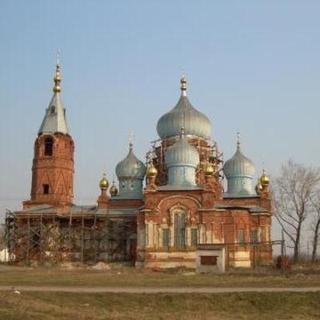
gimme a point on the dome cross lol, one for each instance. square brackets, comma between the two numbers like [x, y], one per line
[183, 86]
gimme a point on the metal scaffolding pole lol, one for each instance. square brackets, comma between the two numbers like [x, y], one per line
[82, 237]
[94, 237]
[28, 241]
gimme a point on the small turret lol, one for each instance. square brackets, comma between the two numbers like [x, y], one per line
[259, 187]
[113, 189]
[151, 170]
[103, 198]
[264, 179]
[209, 169]
[104, 183]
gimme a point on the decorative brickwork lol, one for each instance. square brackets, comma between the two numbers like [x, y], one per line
[52, 171]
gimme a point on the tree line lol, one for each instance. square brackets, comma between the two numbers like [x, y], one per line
[296, 200]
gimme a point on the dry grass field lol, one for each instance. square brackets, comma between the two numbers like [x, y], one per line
[120, 276]
[96, 306]
[66, 306]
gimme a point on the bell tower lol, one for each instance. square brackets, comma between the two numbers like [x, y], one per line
[53, 162]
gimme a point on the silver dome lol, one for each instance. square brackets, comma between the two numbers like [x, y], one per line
[239, 165]
[130, 167]
[239, 171]
[184, 115]
[181, 160]
[182, 153]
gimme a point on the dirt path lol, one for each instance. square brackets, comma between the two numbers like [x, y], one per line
[153, 289]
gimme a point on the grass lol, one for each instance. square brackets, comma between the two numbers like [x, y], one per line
[98, 306]
[126, 276]
[262, 306]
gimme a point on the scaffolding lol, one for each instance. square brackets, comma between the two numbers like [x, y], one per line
[82, 237]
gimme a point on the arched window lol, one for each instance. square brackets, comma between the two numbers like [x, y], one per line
[48, 146]
[180, 229]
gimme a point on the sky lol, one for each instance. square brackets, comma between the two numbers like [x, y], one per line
[252, 66]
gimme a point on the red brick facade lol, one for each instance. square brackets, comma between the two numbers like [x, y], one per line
[162, 228]
[216, 221]
[52, 171]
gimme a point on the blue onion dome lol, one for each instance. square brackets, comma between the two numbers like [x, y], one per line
[239, 165]
[130, 167]
[182, 153]
[184, 115]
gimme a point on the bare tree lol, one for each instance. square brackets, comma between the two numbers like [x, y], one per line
[315, 223]
[2, 236]
[292, 194]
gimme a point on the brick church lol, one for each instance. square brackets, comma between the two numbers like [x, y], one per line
[183, 207]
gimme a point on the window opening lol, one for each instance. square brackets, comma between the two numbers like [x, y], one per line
[48, 146]
[45, 189]
[208, 260]
[179, 230]
[241, 236]
[165, 238]
[194, 237]
[254, 236]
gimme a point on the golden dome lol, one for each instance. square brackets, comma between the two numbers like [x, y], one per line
[104, 184]
[209, 169]
[113, 190]
[259, 187]
[151, 170]
[57, 80]
[264, 179]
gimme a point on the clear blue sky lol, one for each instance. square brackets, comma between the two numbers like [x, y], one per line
[253, 66]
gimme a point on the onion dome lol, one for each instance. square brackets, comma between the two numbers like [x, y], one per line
[184, 115]
[151, 170]
[182, 160]
[259, 187]
[264, 179]
[131, 166]
[113, 189]
[209, 169]
[239, 171]
[104, 184]
[130, 172]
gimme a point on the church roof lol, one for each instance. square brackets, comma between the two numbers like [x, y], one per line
[77, 210]
[239, 165]
[130, 167]
[182, 153]
[55, 116]
[184, 115]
